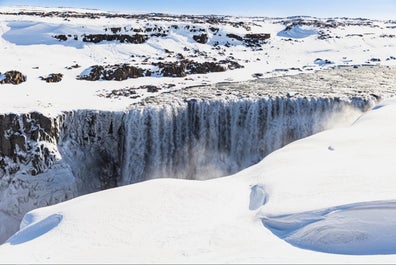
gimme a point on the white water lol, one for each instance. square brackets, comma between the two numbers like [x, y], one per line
[213, 138]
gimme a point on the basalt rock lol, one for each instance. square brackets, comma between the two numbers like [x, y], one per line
[116, 72]
[61, 37]
[123, 38]
[234, 36]
[204, 68]
[12, 77]
[21, 143]
[186, 67]
[172, 69]
[203, 38]
[52, 78]
[252, 39]
[256, 39]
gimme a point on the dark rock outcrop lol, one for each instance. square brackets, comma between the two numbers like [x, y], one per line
[234, 36]
[203, 38]
[115, 29]
[123, 38]
[73, 66]
[186, 67]
[12, 77]
[204, 68]
[151, 89]
[116, 72]
[257, 39]
[20, 142]
[172, 69]
[61, 37]
[52, 78]
[252, 39]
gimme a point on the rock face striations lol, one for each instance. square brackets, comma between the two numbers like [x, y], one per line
[28, 140]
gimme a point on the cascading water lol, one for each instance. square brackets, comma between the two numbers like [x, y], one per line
[201, 139]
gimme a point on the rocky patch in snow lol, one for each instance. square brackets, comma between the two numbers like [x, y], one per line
[131, 92]
[123, 38]
[116, 72]
[179, 68]
[52, 78]
[184, 67]
[12, 77]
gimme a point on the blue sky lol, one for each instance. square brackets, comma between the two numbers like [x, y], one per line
[385, 9]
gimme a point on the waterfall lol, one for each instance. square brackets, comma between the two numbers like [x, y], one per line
[203, 139]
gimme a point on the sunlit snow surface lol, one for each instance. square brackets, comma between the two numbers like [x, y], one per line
[27, 44]
[329, 194]
[332, 192]
[362, 229]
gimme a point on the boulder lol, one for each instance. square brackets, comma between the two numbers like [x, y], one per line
[73, 66]
[184, 67]
[257, 39]
[234, 36]
[204, 68]
[61, 37]
[202, 38]
[52, 78]
[151, 89]
[12, 77]
[116, 72]
[172, 69]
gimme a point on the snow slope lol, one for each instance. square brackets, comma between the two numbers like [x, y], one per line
[331, 192]
[27, 44]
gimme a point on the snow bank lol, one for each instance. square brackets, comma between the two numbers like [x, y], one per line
[297, 32]
[336, 193]
[29, 45]
[366, 228]
[338, 200]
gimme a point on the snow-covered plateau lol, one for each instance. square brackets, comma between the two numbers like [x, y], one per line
[195, 139]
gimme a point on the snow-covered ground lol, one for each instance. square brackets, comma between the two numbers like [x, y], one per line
[312, 201]
[331, 192]
[296, 45]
